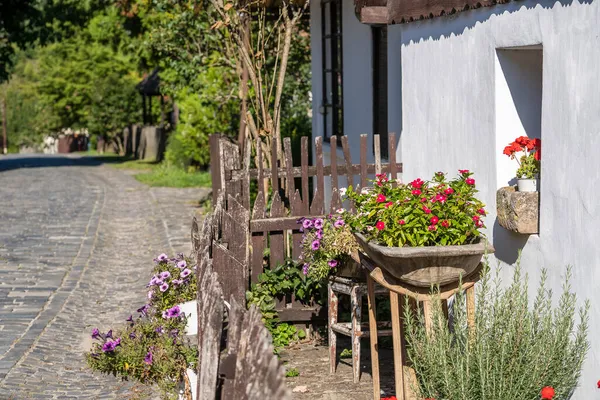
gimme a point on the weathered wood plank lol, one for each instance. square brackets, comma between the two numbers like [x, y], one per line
[304, 174]
[377, 153]
[246, 180]
[274, 166]
[234, 333]
[290, 186]
[363, 161]
[258, 373]
[350, 170]
[259, 239]
[260, 175]
[276, 240]
[215, 165]
[297, 210]
[312, 171]
[232, 274]
[318, 204]
[335, 196]
[210, 325]
[392, 155]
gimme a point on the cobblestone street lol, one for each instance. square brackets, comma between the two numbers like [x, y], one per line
[77, 241]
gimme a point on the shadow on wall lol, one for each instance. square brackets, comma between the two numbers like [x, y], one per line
[507, 243]
[455, 24]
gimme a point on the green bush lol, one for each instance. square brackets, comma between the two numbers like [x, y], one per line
[513, 351]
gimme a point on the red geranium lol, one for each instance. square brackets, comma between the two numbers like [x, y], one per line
[547, 393]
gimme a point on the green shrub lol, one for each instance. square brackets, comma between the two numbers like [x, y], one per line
[513, 351]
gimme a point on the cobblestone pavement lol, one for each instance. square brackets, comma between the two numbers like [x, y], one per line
[77, 241]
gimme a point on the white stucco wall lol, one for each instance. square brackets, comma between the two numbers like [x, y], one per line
[450, 120]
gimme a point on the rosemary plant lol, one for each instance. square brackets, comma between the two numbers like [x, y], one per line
[512, 352]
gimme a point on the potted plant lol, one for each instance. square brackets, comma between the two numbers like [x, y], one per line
[327, 244]
[424, 232]
[151, 349]
[529, 162]
[174, 284]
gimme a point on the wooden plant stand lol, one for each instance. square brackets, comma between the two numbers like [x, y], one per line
[355, 329]
[403, 374]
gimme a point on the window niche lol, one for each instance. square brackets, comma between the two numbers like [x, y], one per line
[519, 87]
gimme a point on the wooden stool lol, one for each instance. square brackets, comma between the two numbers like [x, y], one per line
[397, 289]
[355, 289]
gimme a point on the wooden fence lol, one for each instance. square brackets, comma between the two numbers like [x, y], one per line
[283, 196]
[236, 359]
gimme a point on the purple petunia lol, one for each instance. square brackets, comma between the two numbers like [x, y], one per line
[318, 223]
[95, 333]
[332, 263]
[153, 281]
[109, 346]
[174, 332]
[148, 358]
[181, 264]
[307, 224]
[176, 282]
[185, 273]
[159, 330]
[132, 335]
[150, 293]
[109, 334]
[339, 223]
[158, 282]
[162, 257]
[305, 269]
[172, 312]
[319, 233]
[164, 287]
[315, 245]
[130, 319]
[165, 275]
[143, 309]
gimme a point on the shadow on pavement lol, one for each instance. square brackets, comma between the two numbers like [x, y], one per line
[16, 161]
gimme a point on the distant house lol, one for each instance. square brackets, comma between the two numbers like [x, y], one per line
[457, 84]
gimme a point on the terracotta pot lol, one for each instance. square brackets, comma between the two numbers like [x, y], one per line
[424, 266]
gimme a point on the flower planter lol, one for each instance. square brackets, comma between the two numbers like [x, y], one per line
[527, 185]
[424, 266]
[187, 388]
[190, 309]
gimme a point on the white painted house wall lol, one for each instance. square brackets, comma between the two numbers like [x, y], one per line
[458, 112]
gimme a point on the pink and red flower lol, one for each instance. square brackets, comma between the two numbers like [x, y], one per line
[434, 220]
[381, 198]
[470, 181]
[380, 225]
[547, 393]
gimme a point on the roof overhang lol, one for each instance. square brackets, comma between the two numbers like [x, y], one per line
[388, 12]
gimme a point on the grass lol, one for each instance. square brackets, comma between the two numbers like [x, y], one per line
[292, 373]
[156, 174]
[174, 177]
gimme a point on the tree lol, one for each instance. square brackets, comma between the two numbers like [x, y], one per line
[16, 19]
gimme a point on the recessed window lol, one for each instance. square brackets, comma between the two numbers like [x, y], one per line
[518, 103]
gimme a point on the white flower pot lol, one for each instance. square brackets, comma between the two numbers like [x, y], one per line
[190, 310]
[527, 185]
[185, 388]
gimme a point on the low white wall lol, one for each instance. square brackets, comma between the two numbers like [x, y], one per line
[450, 122]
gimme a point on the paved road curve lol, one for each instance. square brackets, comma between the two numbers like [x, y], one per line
[76, 244]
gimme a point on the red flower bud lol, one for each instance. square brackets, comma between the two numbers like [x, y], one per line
[445, 223]
[402, 222]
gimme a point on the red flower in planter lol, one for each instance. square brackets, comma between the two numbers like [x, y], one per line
[380, 225]
[434, 220]
[416, 192]
[470, 181]
[417, 183]
[402, 222]
[598, 384]
[449, 191]
[445, 223]
[463, 171]
[538, 154]
[522, 140]
[547, 393]
[381, 198]
[388, 204]
[427, 210]
[481, 211]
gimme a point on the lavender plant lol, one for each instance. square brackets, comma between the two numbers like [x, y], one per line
[327, 242]
[513, 352]
[174, 282]
[150, 348]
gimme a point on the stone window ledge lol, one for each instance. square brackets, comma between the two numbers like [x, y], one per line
[518, 211]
